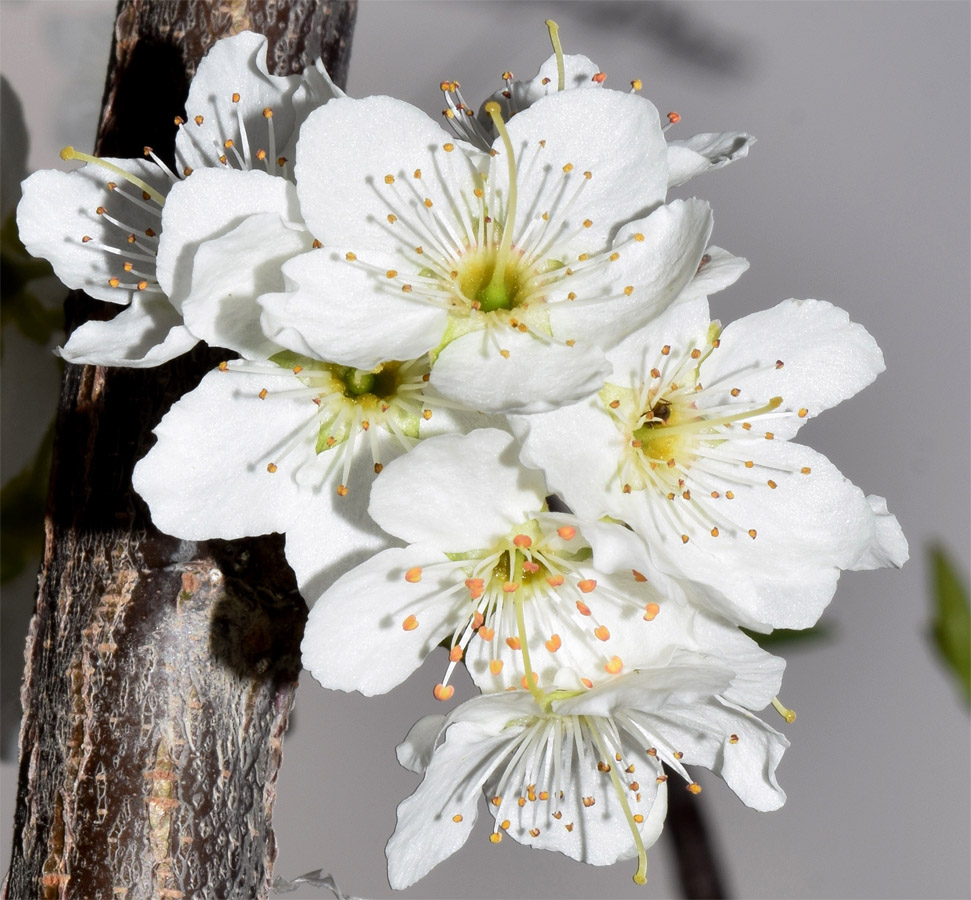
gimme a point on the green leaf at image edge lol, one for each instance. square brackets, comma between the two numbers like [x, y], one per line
[951, 627]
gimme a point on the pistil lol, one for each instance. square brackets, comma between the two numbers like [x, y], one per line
[494, 295]
[69, 153]
[558, 51]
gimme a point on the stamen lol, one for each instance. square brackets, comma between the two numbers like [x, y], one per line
[69, 153]
[554, 30]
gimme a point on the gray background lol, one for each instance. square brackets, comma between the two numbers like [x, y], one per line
[857, 192]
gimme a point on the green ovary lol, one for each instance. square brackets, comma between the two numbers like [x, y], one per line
[479, 282]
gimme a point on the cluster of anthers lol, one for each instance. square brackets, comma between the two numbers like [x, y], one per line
[684, 439]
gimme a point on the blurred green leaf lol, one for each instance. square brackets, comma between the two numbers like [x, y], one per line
[951, 628]
[19, 305]
[791, 636]
[22, 501]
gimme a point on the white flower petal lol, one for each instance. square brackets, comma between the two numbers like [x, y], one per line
[806, 529]
[656, 269]
[578, 72]
[146, 333]
[826, 358]
[358, 635]
[415, 752]
[342, 185]
[209, 204]
[577, 447]
[732, 743]
[59, 209]
[719, 269]
[230, 272]
[703, 152]
[437, 819]
[207, 476]
[586, 131]
[346, 314]
[457, 492]
[235, 66]
[537, 374]
[329, 534]
[683, 325]
[889, 547]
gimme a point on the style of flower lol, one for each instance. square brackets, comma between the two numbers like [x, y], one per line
[101, 225]
[580, 771]
[688, 442]
[513, 269]
[511, 588]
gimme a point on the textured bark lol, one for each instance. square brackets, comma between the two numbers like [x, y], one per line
[159, 673]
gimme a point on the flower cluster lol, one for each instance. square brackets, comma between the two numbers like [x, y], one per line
[477, 386]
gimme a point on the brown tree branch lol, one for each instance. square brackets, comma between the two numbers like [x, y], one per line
[160, 673]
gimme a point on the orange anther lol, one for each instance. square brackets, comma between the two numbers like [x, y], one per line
[600, 77]
[410, 624]
[583, 609]
[513, 643]
[614, 665]
[495, 837]
[522, 541]
[413, 575]
[567, 532]
[530, 567]
[638, 576]
[586, 682]
[674, 118]
[733, 739]
[271, 468]
[694, 788]
[587, 585]
[554, 580]
[455, 654]
[588, 802]
[487, 634]
[525, 684]
[602, 632]
[651, 611]
[477, 620]
[443, 691]
[554, 643]
[457, 818]
[510, 587]
[342, 490]
[495, 666]
[752, 533]
[476, 586]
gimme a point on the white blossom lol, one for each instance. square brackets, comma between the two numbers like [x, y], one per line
[688, 442]
[580, 771]
[101, 225]
[513, 590]
[514, 269]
